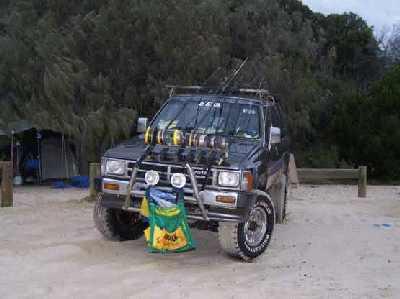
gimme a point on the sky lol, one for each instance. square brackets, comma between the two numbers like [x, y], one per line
[378, 13]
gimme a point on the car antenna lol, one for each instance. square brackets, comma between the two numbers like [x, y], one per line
[234, 75]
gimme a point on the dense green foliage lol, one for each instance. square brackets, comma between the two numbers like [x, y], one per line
[367, 127]
[88, 68]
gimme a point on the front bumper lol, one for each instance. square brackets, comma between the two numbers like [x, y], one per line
[217, 211]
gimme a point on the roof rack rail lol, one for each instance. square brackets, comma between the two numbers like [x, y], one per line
[262, 93]
[173, 88]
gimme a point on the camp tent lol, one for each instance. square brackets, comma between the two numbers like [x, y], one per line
[52, 150]
[58, 160]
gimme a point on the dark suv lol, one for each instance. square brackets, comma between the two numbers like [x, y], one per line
[233, 150]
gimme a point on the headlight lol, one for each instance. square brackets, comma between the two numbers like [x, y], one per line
[116, 167]
[228, 179]
[151, 177]
[103, 167]
[178, 180]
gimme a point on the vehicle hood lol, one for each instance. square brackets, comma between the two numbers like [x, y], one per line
[243, 153]
[128, 150]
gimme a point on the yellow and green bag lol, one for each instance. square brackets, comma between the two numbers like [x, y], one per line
[168, 229]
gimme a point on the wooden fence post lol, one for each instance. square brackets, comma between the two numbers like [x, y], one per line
[362, 181]
[292, 172]
[6, 184]
[94, 171]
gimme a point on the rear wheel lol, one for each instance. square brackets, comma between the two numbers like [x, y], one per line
[249, 239]
[117, 225]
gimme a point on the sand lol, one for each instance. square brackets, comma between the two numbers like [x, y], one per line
[333, 245]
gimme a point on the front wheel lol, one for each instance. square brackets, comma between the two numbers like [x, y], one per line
[248, 240]
[117, 225]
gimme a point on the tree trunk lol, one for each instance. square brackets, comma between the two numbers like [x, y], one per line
[83, 158]
[81, 148]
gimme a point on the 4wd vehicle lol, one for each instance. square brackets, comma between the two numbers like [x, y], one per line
[228, 152]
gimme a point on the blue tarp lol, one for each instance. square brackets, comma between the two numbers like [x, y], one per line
[80, 181]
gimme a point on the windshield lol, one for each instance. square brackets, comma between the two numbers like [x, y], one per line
[211, 117]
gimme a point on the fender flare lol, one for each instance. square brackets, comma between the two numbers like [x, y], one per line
[259, 195]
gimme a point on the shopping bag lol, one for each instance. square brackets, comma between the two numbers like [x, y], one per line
[168, 229]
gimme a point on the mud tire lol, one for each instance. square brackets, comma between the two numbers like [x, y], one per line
[232, 237]
[117, 225]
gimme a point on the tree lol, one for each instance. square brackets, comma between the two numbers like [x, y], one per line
[367, 127]
[88, 68]
[351, 42]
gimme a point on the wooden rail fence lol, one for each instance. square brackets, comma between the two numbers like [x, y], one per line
[315, 174]
[295, 175]
[6, 194]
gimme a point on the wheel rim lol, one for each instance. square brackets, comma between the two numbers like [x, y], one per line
[256, 227]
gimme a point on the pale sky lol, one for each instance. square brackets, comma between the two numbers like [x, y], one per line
[379, 13]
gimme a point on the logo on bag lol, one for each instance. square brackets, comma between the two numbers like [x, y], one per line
[171, 238]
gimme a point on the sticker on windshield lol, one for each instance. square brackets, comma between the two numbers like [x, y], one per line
[210, 104]
[249, 111]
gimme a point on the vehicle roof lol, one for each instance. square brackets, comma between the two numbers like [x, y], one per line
[224, 97]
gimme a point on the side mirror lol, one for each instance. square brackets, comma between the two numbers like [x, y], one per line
[275, 135]
[141, 124]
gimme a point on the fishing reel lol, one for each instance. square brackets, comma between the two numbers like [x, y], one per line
[183, 139]
[187, 146]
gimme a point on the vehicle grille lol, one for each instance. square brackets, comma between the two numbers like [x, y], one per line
[165, 171]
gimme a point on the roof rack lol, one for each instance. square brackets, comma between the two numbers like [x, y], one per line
[261, 93]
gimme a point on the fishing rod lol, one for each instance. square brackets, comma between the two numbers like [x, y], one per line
[234, 75]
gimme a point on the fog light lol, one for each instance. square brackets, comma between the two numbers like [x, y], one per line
[151, 177]
[178, 180]
[225, 199]
[111, 186]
